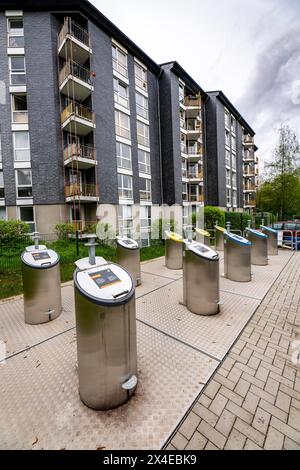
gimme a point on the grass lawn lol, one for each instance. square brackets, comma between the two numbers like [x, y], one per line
[10, 266]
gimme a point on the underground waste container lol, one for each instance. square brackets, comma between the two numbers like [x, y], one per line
[201, 291]
[41, 284]
[237, 258]
[220, 232]
[202, 236]
[272, 240]
[128, 256]
[173, 250]
[106, 333]
[259, 247]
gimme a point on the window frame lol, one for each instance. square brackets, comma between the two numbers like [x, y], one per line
[121, 157]
[121, 130]
[146, 164]
[14, 111]
[16, 149]
[118, 98]
[18, 71]
[19, 32]
[118, 66]
[122, 189]
[145, 194]
[143, 138]
[142, 111]
[33, 222]
[23, 186]
[2, 191]
[141, 80]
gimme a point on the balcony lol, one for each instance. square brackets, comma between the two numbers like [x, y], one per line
[192, 102]
[83, 155]
[83, 192]
[196, 198]
[249, 188]
[248, 140]
[250, 203]
[195, 175]
[194, 126]
[249, 173]
[77, 119]
[249, 156]
[74, 42]
[75, 81]
[195, 151]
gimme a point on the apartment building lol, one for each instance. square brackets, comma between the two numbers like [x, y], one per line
[231, 166]
[182, 138]
[87, 120]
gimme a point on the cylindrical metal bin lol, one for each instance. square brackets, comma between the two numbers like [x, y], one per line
[272, 240]
[220, 232]
[106, 334]
[259, 247]
[128, 256]
[237, 258]
[201, 291]
[202, 236]
[173, 250]
[41, 285]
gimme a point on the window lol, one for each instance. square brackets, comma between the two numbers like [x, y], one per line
[19, 109]
[122, 124]
[181, 93]
[228, 178]
[184, 192]
[184, 168]
[228, 197]
[119, 58]
[145, 220]
[0, 149]
[27, 215]
[234, 180]
[125, 220]
[233, 143]
[121, 93]
[234, 198]
[227, 118]
[21, 146]
[142, 106]
[233, 124]
[125, 187]
[2, 213]
[183, 143]
[140, 77]
[233, 161]
[1, 185]
[24, 183]
[227, 138]
[227, 158]
[185, 215]
[17, 70]
[144, 162]
[145, 189]
[15, 32]
[123, 156]
[143, 134]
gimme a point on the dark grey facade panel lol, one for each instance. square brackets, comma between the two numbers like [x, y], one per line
[5, 120]
[211, 158]
[175, 109]
[133, 128]
[154, 119]
[103, 106]
[240, 166]
[221, 153]
[40, 33]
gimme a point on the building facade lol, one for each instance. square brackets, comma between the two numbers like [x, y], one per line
[87, 120]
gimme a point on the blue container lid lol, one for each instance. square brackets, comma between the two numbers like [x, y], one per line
[238, 239]
[256, 232]
[268, 229]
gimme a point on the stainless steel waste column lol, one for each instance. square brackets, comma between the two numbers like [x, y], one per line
[272, 240]
[201, 291]
[202, 236]
[259, 247]
[173, 250]
[237, 258]
[220, 231]
[128, 256]
[106, 333]
[41, 284]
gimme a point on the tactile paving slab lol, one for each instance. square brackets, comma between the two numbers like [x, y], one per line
[150, 283]
[212, 335]
[40, 407]
[158, 268]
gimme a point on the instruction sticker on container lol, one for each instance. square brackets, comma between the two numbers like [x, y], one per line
[105, 278]
[40, 256]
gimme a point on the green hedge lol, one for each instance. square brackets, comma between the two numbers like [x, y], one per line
[213, 215]
[13, 233]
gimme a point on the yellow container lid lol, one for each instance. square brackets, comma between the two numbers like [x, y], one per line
[174, 236]
[204, 233]
[222, 229]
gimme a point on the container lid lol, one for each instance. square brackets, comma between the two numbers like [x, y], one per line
[238, 239]
[256, 232]
[173, 236]
[204, 233]
[33, 248]
[128, 243]
[42, 258]
[108, 284]
[268, 229]
[222, 229]
[201, 250]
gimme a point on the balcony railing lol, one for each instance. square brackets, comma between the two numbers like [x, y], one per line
[250, 157]
[84, 190]
[195, 175]
[251, 203]
[82, 225]
[248, 140]
[83, 151]
[192, 102]
[73, 29]
[77, 110]
[182, 123]
[196, 198]
[194, 149]
[249, 172]
[145, 195]
[76, 70]
[250, 187]
[193, 125]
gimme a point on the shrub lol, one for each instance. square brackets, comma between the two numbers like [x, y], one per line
[13, 232]
[213, 215]
[62, 230]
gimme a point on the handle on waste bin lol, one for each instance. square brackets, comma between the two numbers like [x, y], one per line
[124, 292]
[130, 384]
[46, 263]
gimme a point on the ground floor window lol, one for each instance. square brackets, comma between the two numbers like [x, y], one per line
[26, 214]
[145, 224]
[125, 220]
[2, 213]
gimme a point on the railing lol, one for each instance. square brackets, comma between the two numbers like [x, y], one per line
[195, 175]
[76, 70]
[82, 225]
[250, 203]
[85, 190]
[182, 123]
[192, 102]
[248, 157]
[145, 195]
[248, 140]
[193, 125]
[183, 148]
[75, 109]
[249, 173]
[73, 29]
[196, 198]
[83, 151]
[120, 68]
[123, 131]
[194, 150]
[250, 187]
[20, 117]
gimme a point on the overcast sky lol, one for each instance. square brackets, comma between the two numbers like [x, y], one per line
[248, 49]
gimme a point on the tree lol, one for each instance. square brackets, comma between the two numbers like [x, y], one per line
[279, 191]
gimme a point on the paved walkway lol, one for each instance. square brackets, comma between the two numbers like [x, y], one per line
[253, 400]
